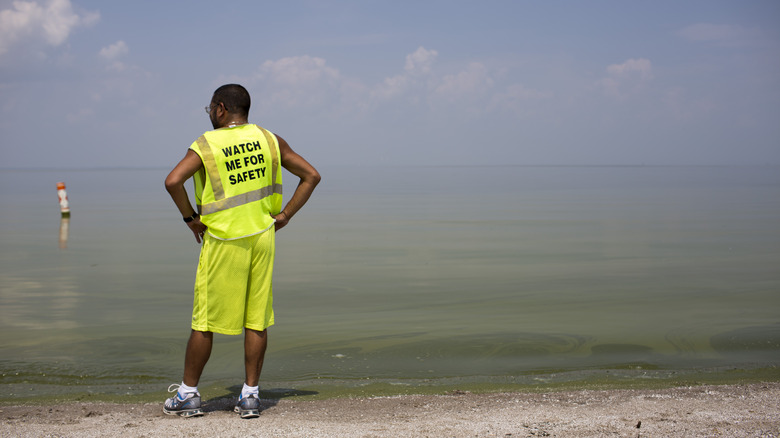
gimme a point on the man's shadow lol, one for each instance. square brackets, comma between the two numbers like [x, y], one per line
[268, 398]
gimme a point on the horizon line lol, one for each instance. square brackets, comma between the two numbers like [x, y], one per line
[125, 168]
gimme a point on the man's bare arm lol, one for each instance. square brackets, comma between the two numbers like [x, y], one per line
[309, 178]
[174, 183]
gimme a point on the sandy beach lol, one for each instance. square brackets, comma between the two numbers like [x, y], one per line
[751, 410]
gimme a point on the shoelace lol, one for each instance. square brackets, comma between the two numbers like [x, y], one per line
[174, 387]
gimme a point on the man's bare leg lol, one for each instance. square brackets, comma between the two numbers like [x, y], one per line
[255, 343]
[198, 353]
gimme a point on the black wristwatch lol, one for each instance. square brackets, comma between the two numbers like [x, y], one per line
[191, 218]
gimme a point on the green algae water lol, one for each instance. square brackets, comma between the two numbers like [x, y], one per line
[403, 278]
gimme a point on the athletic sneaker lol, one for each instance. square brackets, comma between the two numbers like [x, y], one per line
[189, 406]
[248, 407]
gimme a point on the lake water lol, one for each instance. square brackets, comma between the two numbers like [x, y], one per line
[404, 276]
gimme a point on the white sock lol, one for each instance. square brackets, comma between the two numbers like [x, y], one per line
[246, 391]
[184, 390]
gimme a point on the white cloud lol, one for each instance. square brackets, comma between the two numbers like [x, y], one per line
[418, 83]
[641, 66]
[627, 78]
[420, 62]
[29, 22]
[298, 82]
[474, 81]
[299, 71]
[391, 87]
[418, 68]
[308, 84]
[112, 53]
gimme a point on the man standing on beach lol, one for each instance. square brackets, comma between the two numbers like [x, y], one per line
[237, 169]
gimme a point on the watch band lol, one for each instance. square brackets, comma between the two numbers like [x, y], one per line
[191, 218]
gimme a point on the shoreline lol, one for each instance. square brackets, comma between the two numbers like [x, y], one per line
[630, 377]
[733, 410]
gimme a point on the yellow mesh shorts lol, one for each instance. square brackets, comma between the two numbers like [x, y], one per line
[233, 285]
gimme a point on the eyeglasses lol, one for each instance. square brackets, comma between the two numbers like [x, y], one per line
[209, 106]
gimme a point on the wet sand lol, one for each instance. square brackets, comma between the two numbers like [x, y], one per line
[751, 410]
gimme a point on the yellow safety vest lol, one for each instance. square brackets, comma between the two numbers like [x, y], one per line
[239, 186]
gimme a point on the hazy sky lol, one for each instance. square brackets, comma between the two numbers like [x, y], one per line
[123, 83]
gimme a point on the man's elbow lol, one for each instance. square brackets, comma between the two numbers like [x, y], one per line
[171, 183]
[315, 178]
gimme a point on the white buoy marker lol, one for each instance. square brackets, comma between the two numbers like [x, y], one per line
[63, 195]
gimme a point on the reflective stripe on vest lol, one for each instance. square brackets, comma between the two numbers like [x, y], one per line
[220, 201]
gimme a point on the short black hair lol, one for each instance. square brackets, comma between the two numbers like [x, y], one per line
[235, 97]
